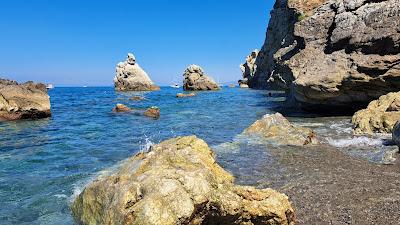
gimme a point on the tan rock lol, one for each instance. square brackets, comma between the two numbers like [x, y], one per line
[131, 77]
[153, 112]
[379, 117]
[177, 182]
[277, 129]
[181, 95]
[122, 108]
[23, 101]
[196, 80]
[137, 98]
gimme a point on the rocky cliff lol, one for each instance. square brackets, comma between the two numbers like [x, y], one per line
[330, 54]
[23, 101]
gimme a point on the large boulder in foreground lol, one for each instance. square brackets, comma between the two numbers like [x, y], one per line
[379, 117]
[177, 182]
[23, 101]
[194, 79]
[278, 130]
[331, 54]
[131, 77]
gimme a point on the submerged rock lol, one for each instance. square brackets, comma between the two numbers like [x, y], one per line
[196, 80]
[23, 101]
[153, 112]
[137, 98]
[277, 129]
[122, 108]
[181, 95]
[331, 54]
[131, 77]
[379, 117]
[178, 182]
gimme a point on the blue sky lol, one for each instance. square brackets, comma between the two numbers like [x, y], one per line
[74, 43]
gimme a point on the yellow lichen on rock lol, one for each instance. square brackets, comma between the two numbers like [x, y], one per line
[177, 182]
[379, 117]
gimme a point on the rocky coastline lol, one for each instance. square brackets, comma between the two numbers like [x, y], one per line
[23, 101]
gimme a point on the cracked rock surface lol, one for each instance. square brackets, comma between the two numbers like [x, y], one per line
[331, 53]
[178, 182]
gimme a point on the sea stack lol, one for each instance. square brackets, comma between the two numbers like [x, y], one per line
[23, 101]
[131, 77]
[194, 79]
[331, 54]
[248, 69]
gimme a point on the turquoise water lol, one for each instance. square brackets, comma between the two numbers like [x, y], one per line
[43, 162]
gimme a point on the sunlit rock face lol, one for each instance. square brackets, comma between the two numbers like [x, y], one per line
[379, 117]
[330, 54]
[194, 79]
[178, 182]
[279, 131]
[131, 77]
[23, 101]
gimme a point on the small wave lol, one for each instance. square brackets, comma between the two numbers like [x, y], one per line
[60, 196]
[355, 141]
[147, 145]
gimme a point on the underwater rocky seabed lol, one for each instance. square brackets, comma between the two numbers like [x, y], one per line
[45, 163]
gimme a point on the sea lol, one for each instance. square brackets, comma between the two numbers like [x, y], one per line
[46, 163]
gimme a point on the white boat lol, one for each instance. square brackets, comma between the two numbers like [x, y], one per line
[175, 86]
[49, 86]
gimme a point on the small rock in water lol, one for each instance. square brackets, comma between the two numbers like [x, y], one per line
[181, 95]
[137, 98]
[153, 112]
[277, 129]
[178, 182]
[121, 108]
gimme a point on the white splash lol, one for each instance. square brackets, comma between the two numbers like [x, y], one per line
[355, 141]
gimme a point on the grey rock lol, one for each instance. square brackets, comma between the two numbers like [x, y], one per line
[194, 79]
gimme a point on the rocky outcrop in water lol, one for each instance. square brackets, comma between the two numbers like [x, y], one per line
[121, 108]
[194, 79]
[379, 117]
[331, 54]
[177, 182]
[182, 95]
[278, 130]
[23, 101]
[152, 112]
[131, 77]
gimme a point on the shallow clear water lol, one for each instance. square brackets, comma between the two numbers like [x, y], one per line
[44, 163]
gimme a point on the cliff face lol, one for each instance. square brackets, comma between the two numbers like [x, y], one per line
[331, 53]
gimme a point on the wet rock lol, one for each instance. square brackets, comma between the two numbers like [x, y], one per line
[396, 134]
[122, 108]
[131, 77]
[177, 182]
[137, 98]
[196, 80]
[331, 54]
[379, 117]
[153, 112]
[181, 95]
[23, 101]
[278, 130]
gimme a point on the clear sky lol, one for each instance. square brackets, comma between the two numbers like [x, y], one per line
[77, 42]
